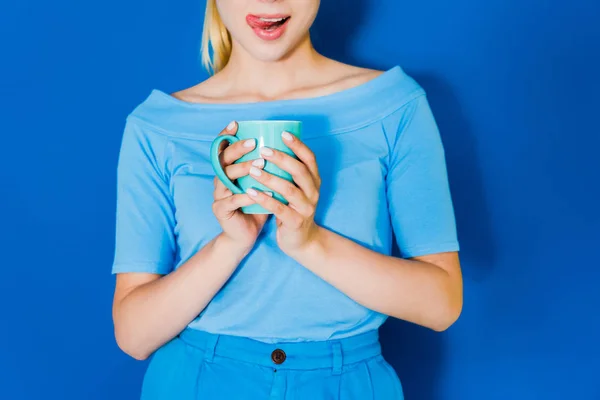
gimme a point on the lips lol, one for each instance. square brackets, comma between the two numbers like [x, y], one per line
[268, 26]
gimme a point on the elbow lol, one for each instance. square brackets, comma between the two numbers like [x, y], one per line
[448, 314]
[130, 344]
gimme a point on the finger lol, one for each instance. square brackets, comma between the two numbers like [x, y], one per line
[230, 129]
[285, 214]
[304, 154]
[221, 191]
[235, 171]
[299, 171]
[235, 151]
[225, 207]
[293, 194]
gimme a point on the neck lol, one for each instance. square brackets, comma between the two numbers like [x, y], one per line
[269, 79]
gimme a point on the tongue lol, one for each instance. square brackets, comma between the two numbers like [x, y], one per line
[267, 25]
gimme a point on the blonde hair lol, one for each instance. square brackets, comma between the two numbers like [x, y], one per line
[215, 37]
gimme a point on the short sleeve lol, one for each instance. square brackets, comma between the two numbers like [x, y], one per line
[418, 192]
[144, 239]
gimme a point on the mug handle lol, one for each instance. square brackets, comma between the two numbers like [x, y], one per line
[216, 165]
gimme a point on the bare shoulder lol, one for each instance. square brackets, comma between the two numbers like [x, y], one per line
[361, 75]
[202, 92]
[344, 76]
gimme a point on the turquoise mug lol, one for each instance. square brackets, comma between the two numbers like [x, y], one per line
[266, 134]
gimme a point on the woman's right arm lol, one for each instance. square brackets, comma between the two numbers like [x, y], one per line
[153, 302]
[149, 310]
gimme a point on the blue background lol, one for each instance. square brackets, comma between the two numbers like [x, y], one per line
[514, 85]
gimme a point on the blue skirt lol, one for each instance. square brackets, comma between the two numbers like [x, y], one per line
[197, 365]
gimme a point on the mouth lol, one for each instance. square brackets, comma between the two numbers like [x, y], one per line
[268, 26]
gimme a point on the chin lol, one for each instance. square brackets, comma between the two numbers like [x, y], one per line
[270, 55]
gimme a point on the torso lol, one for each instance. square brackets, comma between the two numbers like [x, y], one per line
[270, 297]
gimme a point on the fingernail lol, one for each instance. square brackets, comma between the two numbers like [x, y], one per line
[287, 136]
[249, 143]
[231, 126]
[255, 171]
[265, 151]
[259, 162]
[251, 192]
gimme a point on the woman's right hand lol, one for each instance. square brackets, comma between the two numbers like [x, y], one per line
[242, 229]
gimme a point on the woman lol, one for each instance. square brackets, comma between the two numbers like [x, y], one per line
[235, 306]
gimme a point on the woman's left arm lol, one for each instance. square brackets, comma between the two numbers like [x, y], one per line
[425, 289]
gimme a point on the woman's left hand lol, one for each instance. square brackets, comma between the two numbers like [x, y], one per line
[296, 227]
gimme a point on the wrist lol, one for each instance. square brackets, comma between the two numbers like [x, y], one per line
[232, 246]
[313, 249]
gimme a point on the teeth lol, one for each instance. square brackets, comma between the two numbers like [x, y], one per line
[272, 19]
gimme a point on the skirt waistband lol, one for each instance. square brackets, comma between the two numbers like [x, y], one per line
[286, 355]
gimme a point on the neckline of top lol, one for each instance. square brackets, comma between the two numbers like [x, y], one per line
[342, 111]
